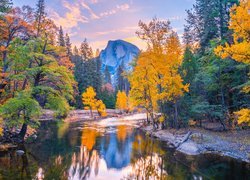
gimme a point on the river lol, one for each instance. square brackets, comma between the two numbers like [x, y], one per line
[109, 151]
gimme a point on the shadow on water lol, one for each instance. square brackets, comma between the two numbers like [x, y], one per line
[80, 151]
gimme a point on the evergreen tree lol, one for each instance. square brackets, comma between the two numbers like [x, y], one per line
[61, 41]
[107, 75]
[122, 82]
[5, 5]
[208, 19]
[87, 69]
[40, 16]
[75, 51]
[98, 75]
[68, 45]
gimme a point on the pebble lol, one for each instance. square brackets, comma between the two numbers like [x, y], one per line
[20, 152]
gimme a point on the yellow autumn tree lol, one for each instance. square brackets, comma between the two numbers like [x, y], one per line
[243, 116]
[155, 78]
[143, 85]
[121, 101]
[89, 100]
[101, 108]
[239, 50]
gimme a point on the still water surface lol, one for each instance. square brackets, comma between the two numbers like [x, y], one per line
[90, 151]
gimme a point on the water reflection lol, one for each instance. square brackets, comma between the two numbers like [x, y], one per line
[78, 151]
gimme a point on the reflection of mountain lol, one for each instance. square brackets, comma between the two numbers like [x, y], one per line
[116, 153]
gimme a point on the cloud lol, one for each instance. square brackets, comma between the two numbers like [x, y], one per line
[71, 18]
[175, 18]
[92, 14]
[122, 7]
[128, 29]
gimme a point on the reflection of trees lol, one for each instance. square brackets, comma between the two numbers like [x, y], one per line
[77, 165]
[54, 157]
[83, 163]
[123, 131]
[147, 161]
[89, 136]
[150, 167]
[17, 167]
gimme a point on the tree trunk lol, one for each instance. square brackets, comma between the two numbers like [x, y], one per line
[175, 115]
[5, 66]
[91, 112]
[23, 131]
[148, 122]
[223, 105]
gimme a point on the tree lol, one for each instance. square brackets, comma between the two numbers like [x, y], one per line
[243, 116]
[68, 45]
[239, 50]
[208, 19]
[86, 51]
[122, 101]
[143, 85]
[37, 74]
[40, 17]
[101, 108]
[21, 110]
[122, 81]
[17, 22]
[75, 51]
[156, 79]
[107, 76]
[61, 41]
[5, 5]
[89, 100]
[108, 96]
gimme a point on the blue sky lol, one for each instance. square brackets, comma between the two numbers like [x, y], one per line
[103, 20]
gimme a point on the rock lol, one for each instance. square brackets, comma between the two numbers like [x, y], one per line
[118, 53]
[20, 152]
[189, 148]
[34, 136]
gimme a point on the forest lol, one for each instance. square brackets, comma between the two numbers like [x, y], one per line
[202, 77]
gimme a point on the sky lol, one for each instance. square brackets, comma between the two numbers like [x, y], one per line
[102, 20]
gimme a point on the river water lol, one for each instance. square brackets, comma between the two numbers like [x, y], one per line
[109, 152]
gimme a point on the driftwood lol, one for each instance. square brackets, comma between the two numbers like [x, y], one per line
[184, 139]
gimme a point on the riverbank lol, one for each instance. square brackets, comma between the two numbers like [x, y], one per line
[190, 141]
[195, 141]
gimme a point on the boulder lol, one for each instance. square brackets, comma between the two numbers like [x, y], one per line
[189, 148]
[20, 152]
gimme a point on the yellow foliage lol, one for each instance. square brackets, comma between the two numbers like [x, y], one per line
[191, 122]
[101, 108]
[88, 98]
[243, 116]
[161, 119]
[1, 126]
[122, 101]
[91, 103]
[240, 24]
[89, 137]
[131, 105]
[62, 129]
[156, 78]
[122, 132]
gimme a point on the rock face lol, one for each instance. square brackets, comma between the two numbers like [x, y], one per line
[118, 53]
